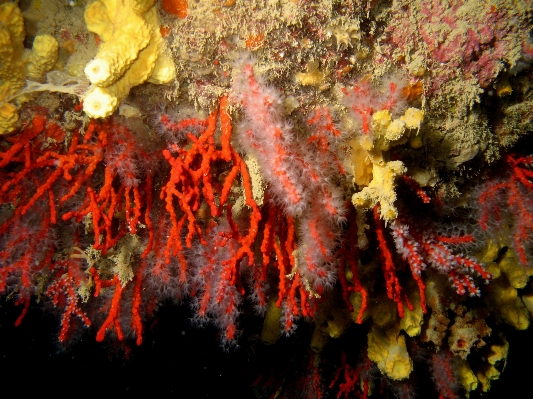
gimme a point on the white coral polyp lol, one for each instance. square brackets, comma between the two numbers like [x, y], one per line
[99, 104]
[98, 71]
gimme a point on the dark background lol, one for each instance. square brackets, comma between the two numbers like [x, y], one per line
[175, 360]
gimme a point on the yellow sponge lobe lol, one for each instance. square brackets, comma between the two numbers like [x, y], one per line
[43, 57]
[131, 54]
[17, 64]
[387, 349]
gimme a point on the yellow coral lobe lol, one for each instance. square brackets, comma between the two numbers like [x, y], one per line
[497, 354]
[43, 57]
[395, 130]
[413, 118]
[98, 22]
[362, 165]
[8, 117]
[132, 53]
[508, 304]
[388, 350]
[313, 77]
[517, 274]
[412, 321]
[271, 325]
[337, 323]
[12, 76]
[504, 88]
[466, 376]
[18, 64]
[380, 122]
[381, 189]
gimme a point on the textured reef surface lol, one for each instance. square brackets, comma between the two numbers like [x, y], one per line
[342, 188]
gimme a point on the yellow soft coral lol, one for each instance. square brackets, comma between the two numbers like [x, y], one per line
[131, 54]
[466, 376]
[43, 57]
[508, 276]
[495, 359]
[366, 152]
[412, 321]
[313, 77]
[8, 117]
[505, 302]
[271, 325]
[17, 64]
[387, 349]
[517, 274]
[381, 189]
[332, 320]
[12, 66]
[362, 166]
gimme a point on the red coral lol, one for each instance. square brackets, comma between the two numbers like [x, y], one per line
[444, 374]
[510, 202]
[394, 289]
[63, 292]
[423, 249]
[126, 161]
[21, 260]
[53, 172]
[191, 175]
[353, 378]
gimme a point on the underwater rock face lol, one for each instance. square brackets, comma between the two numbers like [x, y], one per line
[345, 187]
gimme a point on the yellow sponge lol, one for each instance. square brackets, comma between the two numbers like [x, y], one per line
[130, 55]
[12, 77]
[381, 189]
[17, 64]
[43, 57]
[370, 164]
[387, 349]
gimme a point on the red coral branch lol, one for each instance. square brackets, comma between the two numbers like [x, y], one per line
[444, 374]
[354, 378]
[394, 289]
[422, 249]
[112, 319]
[413, 185]
[63, 292]
[511, 202]
[348, 253]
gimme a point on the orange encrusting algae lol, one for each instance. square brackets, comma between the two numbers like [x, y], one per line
[175, 7]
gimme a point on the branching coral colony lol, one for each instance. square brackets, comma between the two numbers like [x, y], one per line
[348, 169]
